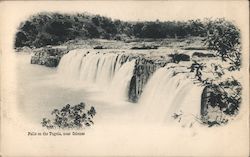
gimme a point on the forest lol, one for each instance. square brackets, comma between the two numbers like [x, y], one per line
[55, 28]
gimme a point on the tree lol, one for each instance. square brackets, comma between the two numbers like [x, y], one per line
[224, 38]
[152, 30]
[21, 39]
[137, 29]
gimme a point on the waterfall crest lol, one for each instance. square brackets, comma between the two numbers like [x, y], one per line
[105, 70]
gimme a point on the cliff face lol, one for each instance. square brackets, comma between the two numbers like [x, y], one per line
[49, 57]
[143, 70]
[216, 107]
[212, 107]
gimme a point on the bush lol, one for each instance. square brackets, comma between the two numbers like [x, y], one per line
[221, 97]
[70, 117]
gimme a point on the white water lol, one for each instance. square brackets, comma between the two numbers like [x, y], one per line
[102, 70]
[166, 94]
[163, 95]
[121, 81]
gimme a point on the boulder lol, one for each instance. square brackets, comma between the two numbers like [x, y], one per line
[48, 56]
[201, 54]
[176, 57]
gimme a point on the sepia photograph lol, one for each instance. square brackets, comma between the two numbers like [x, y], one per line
[124, 78]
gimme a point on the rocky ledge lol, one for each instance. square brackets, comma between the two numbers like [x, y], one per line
[143, 70]
[48, 56]
[145, 66]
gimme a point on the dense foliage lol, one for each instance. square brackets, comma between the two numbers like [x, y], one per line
[70, 117]
[53, 28]
[225, 91]
[224, 38]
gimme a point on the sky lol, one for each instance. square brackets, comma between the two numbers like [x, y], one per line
[134, 10]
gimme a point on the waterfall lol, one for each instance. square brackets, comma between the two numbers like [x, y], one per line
[166, 94]
[69, 65]
[104, 70]
[122, 80]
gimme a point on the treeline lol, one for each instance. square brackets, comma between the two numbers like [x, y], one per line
[54, 28]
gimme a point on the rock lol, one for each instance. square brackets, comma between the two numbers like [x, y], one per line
[52, 61]
[205, 100]
[144, 68]
[144, 47]
[201, 54]
[213, 107]
[24, 49]
[99, 47]
[176, 58]
[48, 56]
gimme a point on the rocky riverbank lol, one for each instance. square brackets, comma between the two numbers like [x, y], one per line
[48, 56]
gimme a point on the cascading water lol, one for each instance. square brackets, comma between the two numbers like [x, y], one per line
[166, 94]
[104, 70]
[69, 65]
[122, 80]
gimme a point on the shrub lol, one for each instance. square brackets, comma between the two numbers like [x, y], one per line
[70, 117]
[221, 97]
